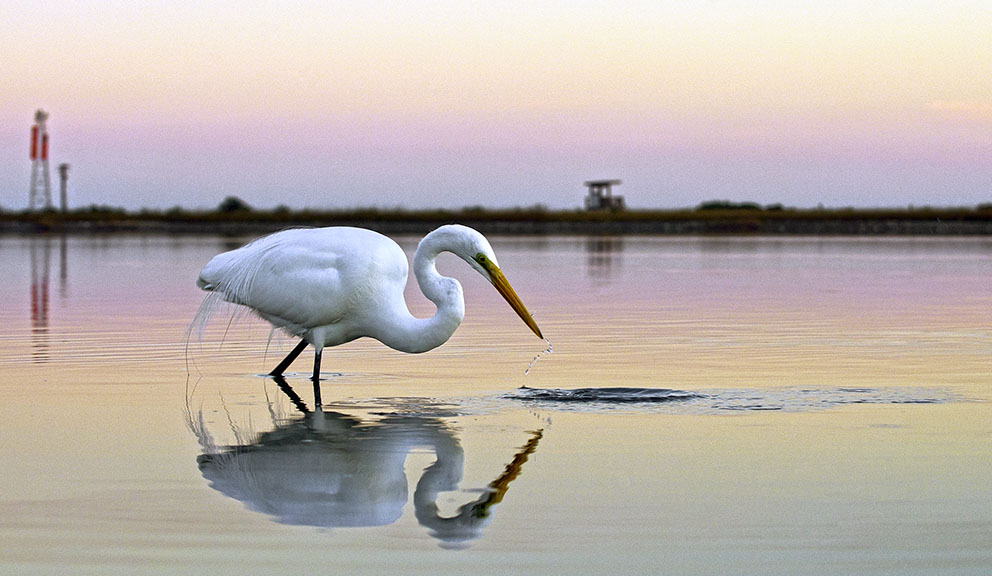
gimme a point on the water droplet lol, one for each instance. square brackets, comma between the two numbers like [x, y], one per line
[549, 350]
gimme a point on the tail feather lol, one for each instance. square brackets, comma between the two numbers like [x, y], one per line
[233, 273]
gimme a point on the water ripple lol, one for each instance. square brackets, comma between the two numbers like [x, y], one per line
[723, 400]
[609, 395]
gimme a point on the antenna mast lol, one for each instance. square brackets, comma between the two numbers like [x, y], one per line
[41, 183]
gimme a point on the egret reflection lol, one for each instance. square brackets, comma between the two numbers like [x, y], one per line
[333, 470]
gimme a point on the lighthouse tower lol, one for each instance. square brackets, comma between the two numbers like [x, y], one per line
[41, 183]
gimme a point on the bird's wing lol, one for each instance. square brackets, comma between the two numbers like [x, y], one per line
[308, 278]
[300, 286]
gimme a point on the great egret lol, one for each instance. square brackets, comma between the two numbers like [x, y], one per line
[332, 285]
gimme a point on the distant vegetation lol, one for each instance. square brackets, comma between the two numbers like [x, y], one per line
[715, 216]
[728, 205]
[233, 204]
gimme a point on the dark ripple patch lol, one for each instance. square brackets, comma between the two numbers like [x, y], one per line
[616, 395]
[723, 400]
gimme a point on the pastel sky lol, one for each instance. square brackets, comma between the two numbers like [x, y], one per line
[450, 104]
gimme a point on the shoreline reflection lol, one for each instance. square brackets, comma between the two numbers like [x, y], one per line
[604, 256]
[333, 470]
[40, 254]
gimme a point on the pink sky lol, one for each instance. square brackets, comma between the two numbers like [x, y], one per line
[444, 104]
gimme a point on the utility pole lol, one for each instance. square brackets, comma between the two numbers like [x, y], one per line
[63, 182]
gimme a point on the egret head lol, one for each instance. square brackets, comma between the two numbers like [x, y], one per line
[472, 247]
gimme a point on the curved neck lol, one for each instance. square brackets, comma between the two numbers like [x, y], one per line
[411, 334]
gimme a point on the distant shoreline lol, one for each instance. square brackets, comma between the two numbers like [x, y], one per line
[720, 220]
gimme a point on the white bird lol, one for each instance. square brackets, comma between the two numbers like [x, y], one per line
[332, 285]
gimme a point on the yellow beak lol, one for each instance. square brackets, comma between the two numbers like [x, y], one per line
[506, 291]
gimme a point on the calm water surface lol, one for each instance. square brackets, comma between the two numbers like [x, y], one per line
[711, 406]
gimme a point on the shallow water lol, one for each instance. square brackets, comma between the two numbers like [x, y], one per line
[711, 406]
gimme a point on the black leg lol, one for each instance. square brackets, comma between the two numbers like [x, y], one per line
[293, 396]
[316, 378]
[278, 370]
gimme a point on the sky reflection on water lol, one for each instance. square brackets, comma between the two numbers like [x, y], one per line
[834, 408]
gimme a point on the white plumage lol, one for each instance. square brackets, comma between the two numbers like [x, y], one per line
[332, 285]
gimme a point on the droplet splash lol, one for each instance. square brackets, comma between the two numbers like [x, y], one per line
[547, 351]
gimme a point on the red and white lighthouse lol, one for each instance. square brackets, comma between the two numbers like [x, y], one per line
[41, 182]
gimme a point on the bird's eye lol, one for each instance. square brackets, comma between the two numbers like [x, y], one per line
[481, 258]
